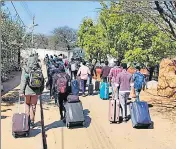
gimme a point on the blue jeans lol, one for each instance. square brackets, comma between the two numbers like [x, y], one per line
[123, 97]
[83, 85]
[115, 94]
[137, 92]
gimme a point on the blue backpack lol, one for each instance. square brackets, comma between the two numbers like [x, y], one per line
[138, 80]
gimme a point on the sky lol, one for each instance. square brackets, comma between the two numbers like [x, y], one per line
[49, 15]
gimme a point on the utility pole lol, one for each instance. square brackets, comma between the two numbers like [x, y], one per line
[33, 23]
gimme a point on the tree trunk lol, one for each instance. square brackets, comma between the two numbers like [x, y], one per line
[151, 70]
[19, 54]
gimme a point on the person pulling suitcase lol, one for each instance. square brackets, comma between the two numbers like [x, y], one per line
[124, 81]
[60, 89]
[84, 72]
[32, 85]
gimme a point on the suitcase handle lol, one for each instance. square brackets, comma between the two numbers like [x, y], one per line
[19, 102]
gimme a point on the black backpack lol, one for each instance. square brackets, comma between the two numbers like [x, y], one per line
[35, 77]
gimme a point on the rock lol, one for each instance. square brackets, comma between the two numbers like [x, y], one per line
[167, 78]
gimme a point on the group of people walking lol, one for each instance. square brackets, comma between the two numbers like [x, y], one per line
[123, 83]
[60, 72]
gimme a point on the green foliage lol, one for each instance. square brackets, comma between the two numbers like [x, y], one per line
[12, 33]
[126, 36]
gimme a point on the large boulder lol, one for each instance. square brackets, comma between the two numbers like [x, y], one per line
[167, 78]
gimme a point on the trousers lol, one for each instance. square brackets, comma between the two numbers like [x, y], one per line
[123, 97]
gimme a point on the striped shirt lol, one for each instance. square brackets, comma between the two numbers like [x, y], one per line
[113, 75]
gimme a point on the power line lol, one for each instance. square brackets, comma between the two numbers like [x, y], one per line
[18, 14]
[26, 8]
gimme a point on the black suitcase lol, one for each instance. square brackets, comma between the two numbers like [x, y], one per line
[74, 114]
[20, 124]
[97, 86]
[90, 89]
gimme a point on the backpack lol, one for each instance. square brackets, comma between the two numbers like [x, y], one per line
[35, 78]
[61, 83]
[138, 80]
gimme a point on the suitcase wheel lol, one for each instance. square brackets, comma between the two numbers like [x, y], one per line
[14, 135]
[68, 125]
[27, 134]
[83, 124]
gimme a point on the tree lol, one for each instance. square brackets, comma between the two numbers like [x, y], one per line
[41, 41]
[90, 38]
[12, 32]
[64, 37]
[127, 36]
[167, 12]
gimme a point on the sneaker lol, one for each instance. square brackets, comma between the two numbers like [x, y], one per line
[84, 95]
[125, 120]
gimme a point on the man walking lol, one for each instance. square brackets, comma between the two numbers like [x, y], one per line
[124, 81]
[31, 86]
[139, 81]
[105, 71]
[73, 68]
[113, 75]
[92, 71]
[84, 72]
[60, 89]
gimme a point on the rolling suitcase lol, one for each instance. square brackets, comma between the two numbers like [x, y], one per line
[73, 98]
[97, 86]
[90, 89]
[114, 111]
[104, 91]
[140, 115]
[75, 87]
[20, 123]
[74, 114]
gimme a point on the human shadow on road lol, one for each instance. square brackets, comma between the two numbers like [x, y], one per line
[3, 117]
[34, 132]
[60, 123]
[6, 110]
[87, 118]
[11, 98]
[55, 124]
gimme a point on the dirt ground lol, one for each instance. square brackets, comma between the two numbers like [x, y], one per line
[98, 133]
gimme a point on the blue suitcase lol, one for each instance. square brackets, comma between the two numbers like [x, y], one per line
[104, 91]
[75, 87]
[140, 115]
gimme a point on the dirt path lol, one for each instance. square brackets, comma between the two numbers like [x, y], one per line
[98, 134]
